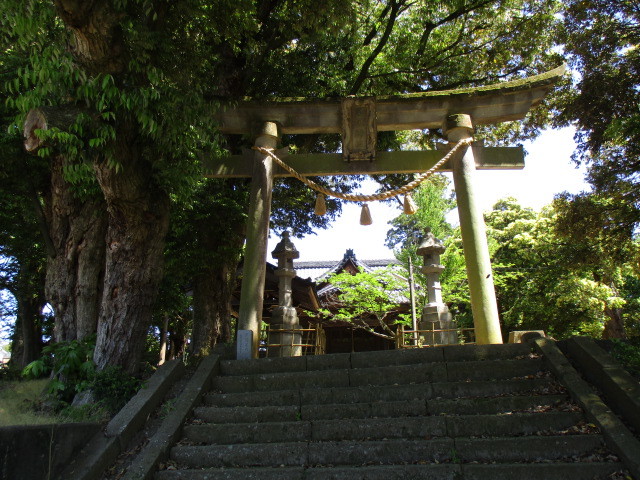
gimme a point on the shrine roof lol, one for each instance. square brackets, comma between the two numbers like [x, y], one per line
[320, 270]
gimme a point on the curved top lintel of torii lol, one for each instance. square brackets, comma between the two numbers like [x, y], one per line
[500, 102]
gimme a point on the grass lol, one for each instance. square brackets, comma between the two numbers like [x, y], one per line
[17, 399]
[628, 354]
[22, 401]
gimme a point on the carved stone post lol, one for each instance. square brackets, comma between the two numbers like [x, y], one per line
[285, 316]
[435, 315]
[474, 237]
[255, 258]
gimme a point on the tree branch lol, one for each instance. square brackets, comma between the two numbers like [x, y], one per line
[367, 328]
[384, 325]
[374, 31]
[431, 26]
[364, 71]
[98, 42]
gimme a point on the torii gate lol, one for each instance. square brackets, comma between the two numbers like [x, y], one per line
[358, 120]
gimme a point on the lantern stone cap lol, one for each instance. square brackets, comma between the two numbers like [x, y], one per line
[285, 248]
[430, 244]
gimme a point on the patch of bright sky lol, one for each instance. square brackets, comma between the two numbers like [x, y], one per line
[548, 171]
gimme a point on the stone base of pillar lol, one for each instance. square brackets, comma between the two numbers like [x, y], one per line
[288, 343]
[437, 317]
[244, 346]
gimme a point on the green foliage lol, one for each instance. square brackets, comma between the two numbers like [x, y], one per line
[22, 252]
[69, 365]
[8, 373]
[434, 202]
[172, 65]
[600, 38]
[113, 388]
[543, 280]
[167, 407]
[71, 370]
[152, 346]
[630, 291]
[628, 354]
[561, 270]
[602, 246]
[453, 280]
[369, 300]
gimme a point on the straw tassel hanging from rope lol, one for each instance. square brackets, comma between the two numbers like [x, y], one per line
[321, 206]
[409, 206]
[365, 215]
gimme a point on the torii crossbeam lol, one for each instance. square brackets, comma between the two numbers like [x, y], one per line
[358, 120]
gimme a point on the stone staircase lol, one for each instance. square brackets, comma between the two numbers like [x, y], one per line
[471, 412]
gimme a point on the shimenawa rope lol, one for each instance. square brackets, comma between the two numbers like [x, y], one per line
[366, 198]
[409, 205]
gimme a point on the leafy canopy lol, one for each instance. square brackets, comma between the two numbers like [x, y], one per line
[368, 301]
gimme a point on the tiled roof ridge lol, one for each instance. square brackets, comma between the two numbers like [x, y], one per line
[331, 263]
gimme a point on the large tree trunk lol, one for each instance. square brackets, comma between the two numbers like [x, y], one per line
[26, 341]
[73, 286]
[138, 221]
[212, 292]
[214, 284]
[206, 323]
[30, 321]
[178, 336]
[138, 211]
[74, 232]
[614, 326]
[17, 345]
[96, 41]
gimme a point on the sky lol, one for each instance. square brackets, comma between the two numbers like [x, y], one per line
[548, 170]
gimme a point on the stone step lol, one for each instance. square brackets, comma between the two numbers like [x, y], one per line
[453, 353]
[496, 405]
[362, 394]
[268, 413]
[402, 374]
[513, 424]
[529, 471]
[322, 430]
[383, 428]
[335, 411]
[391, 375]
[408, 408]
[349, 453]
[489, 388]
[478, 370]
[543, 471]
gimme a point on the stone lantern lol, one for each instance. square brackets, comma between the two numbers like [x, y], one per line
[435, 315]
[285, 317]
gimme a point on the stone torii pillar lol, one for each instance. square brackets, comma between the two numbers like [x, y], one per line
[253, 272]
[474, 238]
